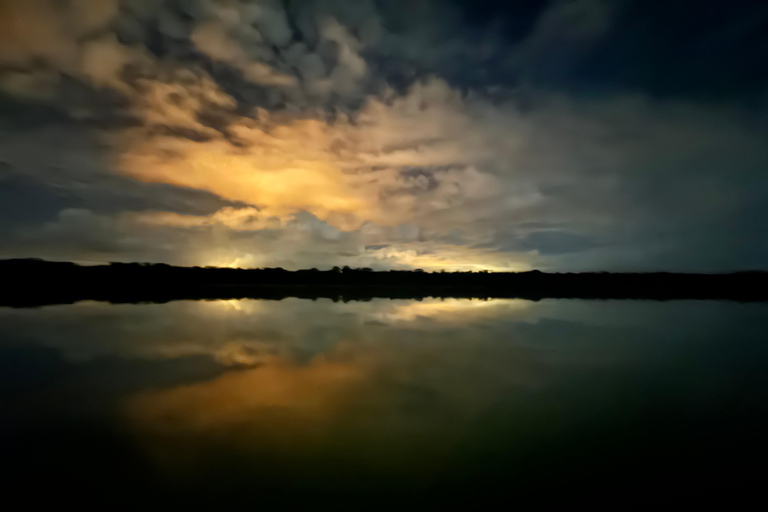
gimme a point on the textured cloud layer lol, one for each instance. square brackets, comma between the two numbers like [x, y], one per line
[319, 133]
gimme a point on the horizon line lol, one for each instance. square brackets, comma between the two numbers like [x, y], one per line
[341, 269]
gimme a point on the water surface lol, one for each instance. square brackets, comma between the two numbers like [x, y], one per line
[299, 403]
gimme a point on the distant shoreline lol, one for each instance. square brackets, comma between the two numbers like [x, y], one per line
[30, 283]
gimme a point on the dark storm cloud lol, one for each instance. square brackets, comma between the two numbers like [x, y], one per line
[685, 47]
[310, 52]
[62, 166]
[25, 200]
[673, 48]
[554, 243]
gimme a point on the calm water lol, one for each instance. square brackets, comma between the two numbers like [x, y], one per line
[300, 404]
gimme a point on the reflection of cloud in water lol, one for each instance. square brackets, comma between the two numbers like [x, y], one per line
[402, 400]
[331, 382]
[392, 403]
[288, 328]
[245, 331]
[304, 391]
[450, 312]
[274, 406]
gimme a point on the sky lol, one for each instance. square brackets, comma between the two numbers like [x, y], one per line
[563, 135]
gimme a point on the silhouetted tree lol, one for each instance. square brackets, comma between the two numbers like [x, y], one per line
[67, 282]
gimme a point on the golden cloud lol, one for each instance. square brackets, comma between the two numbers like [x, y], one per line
[50, 30]
[346, 172]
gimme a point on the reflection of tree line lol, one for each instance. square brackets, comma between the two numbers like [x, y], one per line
[33, 282]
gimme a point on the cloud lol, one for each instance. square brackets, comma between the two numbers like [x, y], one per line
[212, 40]
[345, 172]
[269, 133]
[50, 31]
[560, 35]
[104, 59]
[484, 185]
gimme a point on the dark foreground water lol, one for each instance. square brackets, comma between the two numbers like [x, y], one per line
[385, 404]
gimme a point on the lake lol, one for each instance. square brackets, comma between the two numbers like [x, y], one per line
[388, 403]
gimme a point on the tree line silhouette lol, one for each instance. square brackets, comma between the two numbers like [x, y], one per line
[30, 282]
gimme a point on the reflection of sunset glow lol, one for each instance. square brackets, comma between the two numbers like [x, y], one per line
[249, 330]
[236, 306]
[453, 312]
[291, 411]
[276, 407]
[309, 392]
